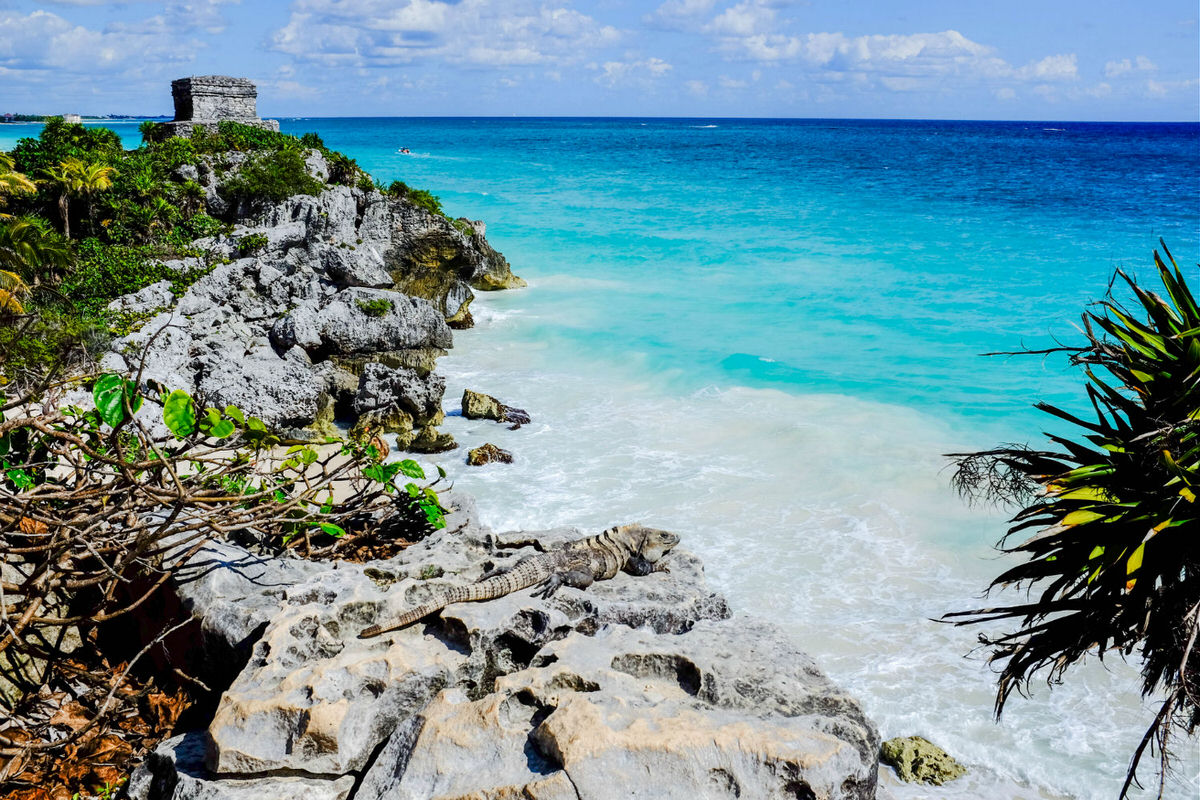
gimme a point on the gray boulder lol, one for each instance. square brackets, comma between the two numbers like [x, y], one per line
[382, 388]
[154, 297]
[359, 320]
[280, 392]
[727, 709]
[354, 266]
[175, 771]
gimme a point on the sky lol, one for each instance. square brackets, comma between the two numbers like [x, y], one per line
[933, 59]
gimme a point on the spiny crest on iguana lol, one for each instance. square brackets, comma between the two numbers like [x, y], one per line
[635, 549]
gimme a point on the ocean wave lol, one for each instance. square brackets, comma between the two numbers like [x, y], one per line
[828, 513]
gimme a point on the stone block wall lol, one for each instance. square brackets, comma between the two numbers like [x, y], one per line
[209, 99]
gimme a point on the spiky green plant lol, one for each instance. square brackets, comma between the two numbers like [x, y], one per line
[1114, 562]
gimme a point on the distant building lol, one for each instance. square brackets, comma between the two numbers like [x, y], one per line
[208, 99]
[73, 119]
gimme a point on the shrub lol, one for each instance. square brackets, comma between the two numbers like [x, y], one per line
[420, 198]
[273, 175]
[59, 141]
[96, 538]
[107, 271]
[375, 308]
[252, 243]
[1114, 557]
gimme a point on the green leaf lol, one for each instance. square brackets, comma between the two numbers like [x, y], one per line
[411, 469]
[333, 530]
[235, 414]
[179, 414]
[110, 394]
[222, 429]
[1135, 560]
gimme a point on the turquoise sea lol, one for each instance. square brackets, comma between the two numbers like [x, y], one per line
[765, 333]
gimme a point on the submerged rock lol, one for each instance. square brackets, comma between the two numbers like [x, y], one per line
[487, 454]
[917, 760]
[476, 405]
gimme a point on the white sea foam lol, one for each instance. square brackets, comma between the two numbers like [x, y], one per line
[828, 514]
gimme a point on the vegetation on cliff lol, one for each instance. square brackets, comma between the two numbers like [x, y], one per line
[83, 221]
[98, 506]
[1114, 558]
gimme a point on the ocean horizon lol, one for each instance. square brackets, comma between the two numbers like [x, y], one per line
[766, 333]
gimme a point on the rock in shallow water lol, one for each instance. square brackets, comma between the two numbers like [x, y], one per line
[487, 454]
[918, 760]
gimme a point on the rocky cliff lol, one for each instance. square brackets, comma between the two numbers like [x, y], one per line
[315, 309]
[334, 307]
[636, 688]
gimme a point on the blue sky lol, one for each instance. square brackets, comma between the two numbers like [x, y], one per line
[959, 59]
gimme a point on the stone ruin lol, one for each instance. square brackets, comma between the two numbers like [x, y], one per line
[206, 100]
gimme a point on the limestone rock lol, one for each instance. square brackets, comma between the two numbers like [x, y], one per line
[918, 760]
[318, 290]
[476, 405]
[281, 393]
[358, 267]
[466, 750]
[359, 320]
[636, 687]
[382, 388]
[432, 258]
[154, 297]
[430, 440]
[175, 771]
[487, 454]
[728, 709]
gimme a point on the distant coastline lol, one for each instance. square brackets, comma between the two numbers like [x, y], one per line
[25, 119]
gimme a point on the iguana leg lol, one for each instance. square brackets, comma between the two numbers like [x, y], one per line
[492, 573]
[575, 578]
[639, 566]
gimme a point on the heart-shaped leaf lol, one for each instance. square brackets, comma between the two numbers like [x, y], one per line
[179, 414]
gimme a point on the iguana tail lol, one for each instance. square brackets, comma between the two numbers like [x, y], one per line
[485, 590]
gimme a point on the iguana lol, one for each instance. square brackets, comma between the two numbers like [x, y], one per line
[632, 548]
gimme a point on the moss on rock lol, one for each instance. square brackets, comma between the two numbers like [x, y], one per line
[488, 453]
[476, 405]
[918, 760]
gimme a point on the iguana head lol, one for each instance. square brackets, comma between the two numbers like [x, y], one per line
[650, 543]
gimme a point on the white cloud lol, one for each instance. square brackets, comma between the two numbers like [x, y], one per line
[616, 73]
[1006, 93]
[1050, 68]
[1159, 89]
[42, 40]
[472, 32]
[698, 88]
[726, 82]
[198, 14]
[754, 30]
[1114, 69]
[679, 15]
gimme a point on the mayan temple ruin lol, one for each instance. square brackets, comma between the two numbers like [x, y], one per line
[208, 99]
